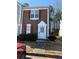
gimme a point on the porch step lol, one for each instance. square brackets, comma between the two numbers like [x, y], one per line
[41, 40]
[41, 44]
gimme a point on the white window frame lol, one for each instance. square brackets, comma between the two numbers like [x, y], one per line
[34, 14]
[20, 28]
[28, 28]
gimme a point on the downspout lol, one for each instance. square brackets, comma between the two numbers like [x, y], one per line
[47, 22]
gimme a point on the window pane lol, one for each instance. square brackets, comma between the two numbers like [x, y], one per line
[36, 15]
[28, 28]
[32, 15]
[36, 11]
[42, 29]
[32, 11]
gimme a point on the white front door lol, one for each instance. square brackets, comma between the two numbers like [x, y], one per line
[42, 30]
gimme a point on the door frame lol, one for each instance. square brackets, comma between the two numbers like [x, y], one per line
[42, 35]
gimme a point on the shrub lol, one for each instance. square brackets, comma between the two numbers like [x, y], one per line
[55, 33]
[52, 38]
[33, 37]
[52, 33]
[21, 37]
[27, 37]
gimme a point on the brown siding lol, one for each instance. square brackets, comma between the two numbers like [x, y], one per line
[34, 23]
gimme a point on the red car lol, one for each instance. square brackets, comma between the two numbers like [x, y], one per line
[21, 51]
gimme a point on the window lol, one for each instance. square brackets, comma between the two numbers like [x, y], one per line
[28, 28]
[41, 29]
[34, 15]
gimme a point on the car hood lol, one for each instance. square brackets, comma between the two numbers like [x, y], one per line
[19, 45]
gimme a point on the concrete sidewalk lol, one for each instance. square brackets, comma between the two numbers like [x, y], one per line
[37, 57]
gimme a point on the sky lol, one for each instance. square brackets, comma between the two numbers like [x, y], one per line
[42, 3]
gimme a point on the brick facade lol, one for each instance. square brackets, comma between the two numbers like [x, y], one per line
[34, 23]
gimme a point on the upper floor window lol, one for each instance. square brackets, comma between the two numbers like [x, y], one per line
[34, 15]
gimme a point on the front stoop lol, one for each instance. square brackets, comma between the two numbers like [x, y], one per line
[41, 40]
[41, 44]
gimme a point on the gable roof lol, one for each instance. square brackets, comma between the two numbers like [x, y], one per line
[42, 23]
[18, 3]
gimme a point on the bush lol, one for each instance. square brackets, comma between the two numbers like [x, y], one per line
[55, 33]
[52, 38]
[31, 37]
[52, 33]
[21, 37]
[27, 37]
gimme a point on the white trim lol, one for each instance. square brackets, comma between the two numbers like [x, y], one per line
[20, 28]
[20, 14]
[34, 18]
[28, 31]
[34, 8]
[42, 35]
[34, 14]
[47, 22]
[20, 7]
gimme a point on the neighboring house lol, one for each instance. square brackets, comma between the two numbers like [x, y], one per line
[19, 18]
[36, 20]
[54, 25]
[60, 32]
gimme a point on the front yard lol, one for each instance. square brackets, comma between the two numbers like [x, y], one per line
[49, 47]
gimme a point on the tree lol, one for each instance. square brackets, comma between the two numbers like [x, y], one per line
[57, 18]
[25, 5]
[51, 9]
[54, 17]
[51, 13]
[58, 15]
